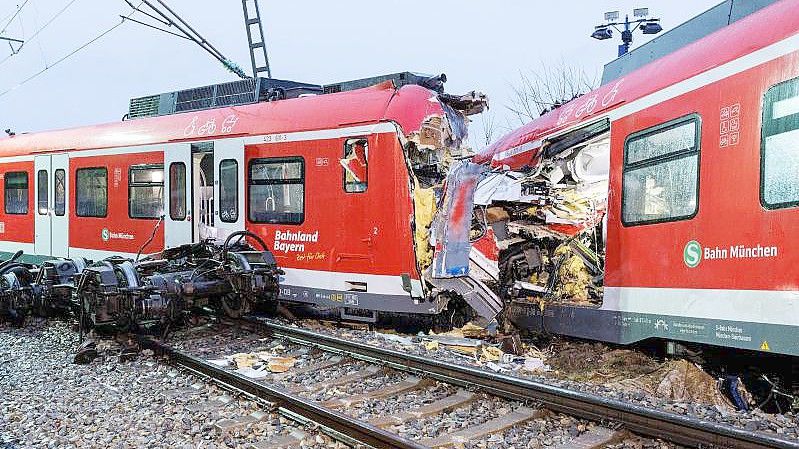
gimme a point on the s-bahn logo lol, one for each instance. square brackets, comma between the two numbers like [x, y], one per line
[692, 254]
[105, 234]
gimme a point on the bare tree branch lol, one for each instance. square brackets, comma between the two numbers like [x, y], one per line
[541, 91]
[489, 127]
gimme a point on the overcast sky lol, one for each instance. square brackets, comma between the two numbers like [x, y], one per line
[479, 45]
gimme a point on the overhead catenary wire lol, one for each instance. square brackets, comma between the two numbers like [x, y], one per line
[149, 25]
[42, 28]
[39, 42]
[14, 16]
[170, 18]
[67, 56]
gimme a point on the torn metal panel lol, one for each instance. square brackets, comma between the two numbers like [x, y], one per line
[469, 104]
[430, 150]
[453, 224]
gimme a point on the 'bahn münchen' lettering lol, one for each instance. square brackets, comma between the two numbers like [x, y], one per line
[740, 252]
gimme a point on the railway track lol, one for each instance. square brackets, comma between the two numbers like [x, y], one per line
[353, 374]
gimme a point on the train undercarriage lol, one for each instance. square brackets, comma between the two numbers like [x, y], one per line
[157, 291]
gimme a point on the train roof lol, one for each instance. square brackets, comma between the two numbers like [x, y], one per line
[408, 106]
[766, 27]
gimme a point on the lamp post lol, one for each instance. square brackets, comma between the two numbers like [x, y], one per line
[640, 21]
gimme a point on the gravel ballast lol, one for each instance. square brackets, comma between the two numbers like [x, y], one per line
[50, 402]
[785, 425]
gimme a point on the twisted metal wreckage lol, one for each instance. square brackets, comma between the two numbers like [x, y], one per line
[535, 233]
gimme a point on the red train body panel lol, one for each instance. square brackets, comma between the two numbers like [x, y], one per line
[283, 170]
[724, 272]
[16, 227]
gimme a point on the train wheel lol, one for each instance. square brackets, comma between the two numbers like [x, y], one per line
[235, 305]
[456, 315]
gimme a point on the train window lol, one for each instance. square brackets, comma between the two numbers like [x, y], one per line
[779, 146]
[177, 191]
[42, 202]
[661, 173]
[277, 190]
[16, 193]
[229, 191]
[355, 164]
[146, 191]
[91, 192]
[60, 192]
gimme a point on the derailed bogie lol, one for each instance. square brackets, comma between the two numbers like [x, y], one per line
[55, 284]
[126, 294]
[16, 294]
[106, 293]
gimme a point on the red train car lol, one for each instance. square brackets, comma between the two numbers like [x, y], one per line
[686, 179]
[333, 182]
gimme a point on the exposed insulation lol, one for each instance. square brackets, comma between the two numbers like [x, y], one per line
[424, 210]
[573, 276]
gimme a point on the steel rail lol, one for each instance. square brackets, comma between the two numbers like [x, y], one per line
[645, 421]
[354, 429]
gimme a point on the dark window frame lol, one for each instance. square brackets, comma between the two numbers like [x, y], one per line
[657, 160]
[236, 190]
[59, 209]
[182, 201]
[77, 192]
[769, 98]
[46, 192]
[5, 192]
[132, 185]
[344, 170]
[300, 181]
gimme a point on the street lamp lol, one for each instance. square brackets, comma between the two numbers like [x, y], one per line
[640, 21]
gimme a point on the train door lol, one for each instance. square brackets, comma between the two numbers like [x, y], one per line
[177, 196]
[229, 186]
[51, 223]
[361, 231]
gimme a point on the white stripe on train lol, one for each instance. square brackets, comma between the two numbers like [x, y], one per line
[754, 306]
[378, 284]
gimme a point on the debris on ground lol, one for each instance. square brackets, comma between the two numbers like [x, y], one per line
[675, 380]
[395, 338]
[681, 381]
[257, 365]
[280, 364]
[597, 363]
[504, 353]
